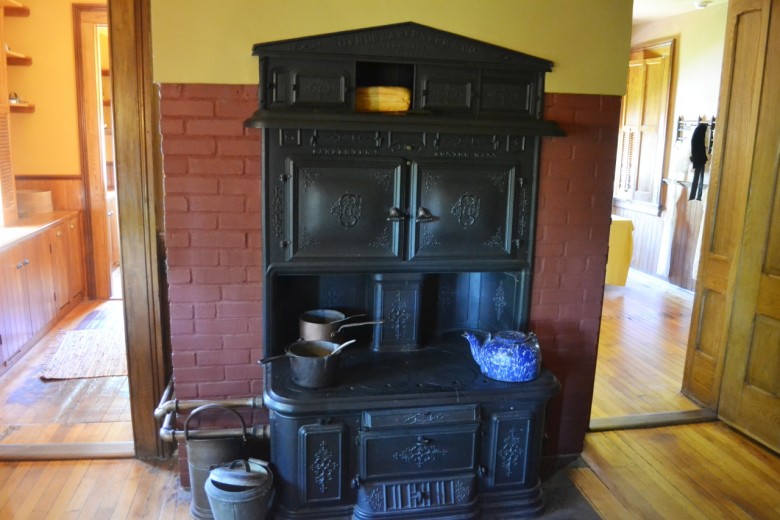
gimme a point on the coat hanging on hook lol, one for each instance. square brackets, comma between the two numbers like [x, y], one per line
[699, 159]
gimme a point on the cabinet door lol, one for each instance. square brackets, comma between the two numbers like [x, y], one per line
[40, 283]
[76, 255]
[344, 209]
[317, 85]
[14, 324]
[462, 209]
[444, 89]
[509, 94]
[60, 253]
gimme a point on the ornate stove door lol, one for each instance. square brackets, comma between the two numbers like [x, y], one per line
[344, 209]
[462, 209]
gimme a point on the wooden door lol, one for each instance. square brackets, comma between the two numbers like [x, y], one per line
[642, 142]
[733, 361]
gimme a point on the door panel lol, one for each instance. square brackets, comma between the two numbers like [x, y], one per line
[724, 219]
[750, 397]
[734, 346]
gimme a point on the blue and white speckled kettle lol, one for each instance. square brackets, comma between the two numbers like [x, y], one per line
[508, 355]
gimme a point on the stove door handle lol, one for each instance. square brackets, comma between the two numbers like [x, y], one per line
[355, 482]
[422, 441]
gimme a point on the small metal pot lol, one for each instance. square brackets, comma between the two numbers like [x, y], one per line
[313, 364]
[326, 324]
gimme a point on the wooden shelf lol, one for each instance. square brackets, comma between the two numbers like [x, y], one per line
[15, 9]
[22, 108]
[18, 60]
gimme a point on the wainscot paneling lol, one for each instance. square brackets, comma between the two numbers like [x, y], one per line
[67, 192]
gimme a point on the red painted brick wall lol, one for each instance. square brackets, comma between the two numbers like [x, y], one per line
[212, 185]
[575, 203]
[212, 218]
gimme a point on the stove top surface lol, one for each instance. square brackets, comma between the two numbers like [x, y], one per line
[428, 374]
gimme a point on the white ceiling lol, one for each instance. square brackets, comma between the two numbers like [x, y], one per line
[649, 10]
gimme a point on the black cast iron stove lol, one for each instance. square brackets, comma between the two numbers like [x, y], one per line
[424, 218]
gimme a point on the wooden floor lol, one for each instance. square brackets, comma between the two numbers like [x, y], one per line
[704, 470]
[641, 352]
[88, 410]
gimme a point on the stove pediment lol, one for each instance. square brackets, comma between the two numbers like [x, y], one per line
[407, 40]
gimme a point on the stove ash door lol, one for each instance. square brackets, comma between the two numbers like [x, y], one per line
[423, 469]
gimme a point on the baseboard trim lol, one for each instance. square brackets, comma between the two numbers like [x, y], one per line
[68, 451]
[652, 420]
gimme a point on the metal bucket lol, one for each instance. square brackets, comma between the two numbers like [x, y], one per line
[240, 490]
[204, 454]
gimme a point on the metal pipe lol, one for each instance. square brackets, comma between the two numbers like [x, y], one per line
[174, 405]
[169, 434]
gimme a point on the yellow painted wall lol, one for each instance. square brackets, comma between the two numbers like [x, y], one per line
[196, 41]
[45, 142]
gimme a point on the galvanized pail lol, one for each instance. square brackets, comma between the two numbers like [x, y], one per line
[205, 453]
[240, 490]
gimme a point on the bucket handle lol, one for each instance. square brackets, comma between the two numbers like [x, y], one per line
[208, 407]
[240, 461]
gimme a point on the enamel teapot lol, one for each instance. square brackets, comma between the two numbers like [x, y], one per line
[508, 355]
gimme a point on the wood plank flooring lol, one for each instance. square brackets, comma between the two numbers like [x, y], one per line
[67, 411]
[641, 352]
[706, 471]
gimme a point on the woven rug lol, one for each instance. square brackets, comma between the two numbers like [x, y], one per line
[79, 354]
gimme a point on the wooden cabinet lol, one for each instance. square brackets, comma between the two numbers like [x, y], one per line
[76, 269]
[27, 293]
[67, 253]
[14, 321]
[42, 278]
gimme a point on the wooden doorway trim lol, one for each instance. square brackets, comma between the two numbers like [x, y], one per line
[138, 169]
[85, 18]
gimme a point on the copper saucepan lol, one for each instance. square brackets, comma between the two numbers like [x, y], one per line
[326, 324]
[313, 364]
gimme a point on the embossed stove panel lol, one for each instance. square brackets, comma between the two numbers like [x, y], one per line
[322, 471]
[339, 210]
[462, 208]
[510, 445]
[446, 90]
[397, 300]
[436, 450]
[313, 85]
